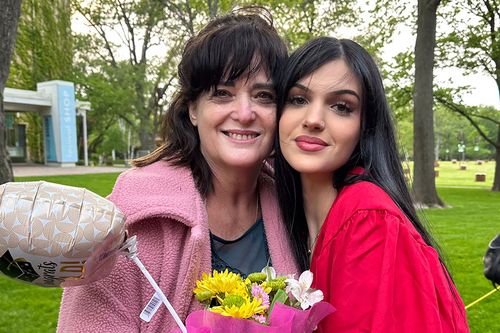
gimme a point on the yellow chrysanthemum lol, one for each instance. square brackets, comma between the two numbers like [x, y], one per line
[266, 288]
[246, 310]
[220, 283]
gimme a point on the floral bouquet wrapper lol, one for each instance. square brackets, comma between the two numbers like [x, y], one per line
[284, 319]
[261, 302]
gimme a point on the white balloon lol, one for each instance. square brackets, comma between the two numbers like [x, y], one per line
[54, 235]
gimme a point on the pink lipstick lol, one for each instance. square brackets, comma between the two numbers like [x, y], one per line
[310, 143]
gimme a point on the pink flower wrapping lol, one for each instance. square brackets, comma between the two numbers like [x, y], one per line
[283, 319]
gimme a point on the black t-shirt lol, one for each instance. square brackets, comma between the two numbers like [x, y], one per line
[245, 255]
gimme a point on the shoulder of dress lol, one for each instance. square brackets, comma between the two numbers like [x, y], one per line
[364, 195]
[358, 202]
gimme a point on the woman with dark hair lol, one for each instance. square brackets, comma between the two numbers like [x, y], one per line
[204, 199]
[345, 202]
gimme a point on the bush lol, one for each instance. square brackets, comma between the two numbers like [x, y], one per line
[95, 159]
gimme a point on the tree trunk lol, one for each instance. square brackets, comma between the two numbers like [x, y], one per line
[424, 183]
[496, 181]
[146, 135]
[9, 16]
[213, 8]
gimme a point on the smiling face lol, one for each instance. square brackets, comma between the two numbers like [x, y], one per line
[236, 122]
[321, 121]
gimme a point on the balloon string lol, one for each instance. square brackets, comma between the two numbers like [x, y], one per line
[160, 293]
[129, 248]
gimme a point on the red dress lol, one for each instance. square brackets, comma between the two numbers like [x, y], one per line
[377, 271]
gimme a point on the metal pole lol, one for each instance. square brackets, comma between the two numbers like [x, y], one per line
[44, 139]
[85, 148]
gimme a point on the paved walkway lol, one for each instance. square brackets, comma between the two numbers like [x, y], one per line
[24, 170]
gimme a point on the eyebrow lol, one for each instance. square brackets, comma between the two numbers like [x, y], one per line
[266, 85]
[336, 92]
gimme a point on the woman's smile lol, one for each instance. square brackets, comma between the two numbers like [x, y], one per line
[241, 136]
[310, 143]
[236, 121]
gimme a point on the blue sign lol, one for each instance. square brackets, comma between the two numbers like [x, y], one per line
[67, 123]
[50, 144]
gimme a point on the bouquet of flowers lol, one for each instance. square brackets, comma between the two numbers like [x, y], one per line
[262, 302]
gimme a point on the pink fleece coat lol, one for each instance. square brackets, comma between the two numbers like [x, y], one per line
[169, 217]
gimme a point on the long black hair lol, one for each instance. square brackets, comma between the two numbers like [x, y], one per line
[376, 151]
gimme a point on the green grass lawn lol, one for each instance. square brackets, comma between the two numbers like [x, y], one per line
[451, 176]
[463, 231]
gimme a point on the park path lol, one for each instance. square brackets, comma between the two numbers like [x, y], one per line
[26, 170]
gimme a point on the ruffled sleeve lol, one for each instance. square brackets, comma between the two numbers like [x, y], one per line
[382, 277]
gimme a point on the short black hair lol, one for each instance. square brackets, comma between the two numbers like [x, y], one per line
[239, 43]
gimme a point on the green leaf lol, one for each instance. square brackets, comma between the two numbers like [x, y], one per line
[280, 296]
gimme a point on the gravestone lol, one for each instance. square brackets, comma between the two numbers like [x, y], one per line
[480, 177]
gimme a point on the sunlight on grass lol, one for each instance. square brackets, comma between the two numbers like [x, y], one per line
[450, 174]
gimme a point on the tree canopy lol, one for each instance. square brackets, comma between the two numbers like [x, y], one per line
[122, 55]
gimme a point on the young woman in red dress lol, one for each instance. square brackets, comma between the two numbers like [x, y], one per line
[346, 203]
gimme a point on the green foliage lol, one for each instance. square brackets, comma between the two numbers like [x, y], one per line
[43, 52]
[386, 18]
[34, 136]
[404, 130]
[452, 129]
[114, 140]
[280, 297]
[399, 84]
[44, 45]
[111, 93]
[485, 120]
[467, 40]
[125, 80]
[118, 71]
[299, 21]
[473, 43]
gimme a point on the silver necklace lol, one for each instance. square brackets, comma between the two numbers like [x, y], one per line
[311, 248]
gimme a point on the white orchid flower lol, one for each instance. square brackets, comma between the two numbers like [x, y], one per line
[302, 290]
[270, 273]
